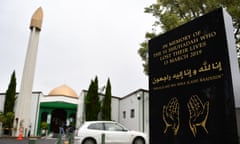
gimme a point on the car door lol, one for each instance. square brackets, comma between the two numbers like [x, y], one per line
[96, 130]
[116, 134]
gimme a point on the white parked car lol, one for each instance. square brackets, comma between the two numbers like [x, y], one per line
[96, 132]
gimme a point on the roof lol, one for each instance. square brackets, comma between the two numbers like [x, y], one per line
[63, 90]
[37, 19]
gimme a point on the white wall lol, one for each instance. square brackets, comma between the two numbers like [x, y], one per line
[115, 109]
[127, 104]
[80, 110]
[34, 111]
[139, 101]
[34, 108]
[145, 116]
[2, 99]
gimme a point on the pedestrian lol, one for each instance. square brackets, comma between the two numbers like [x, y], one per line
[61, 129]
[29, 130]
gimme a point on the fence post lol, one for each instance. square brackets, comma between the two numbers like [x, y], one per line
[71, 140]
[103, 138]
[59, 141]
[32, 141]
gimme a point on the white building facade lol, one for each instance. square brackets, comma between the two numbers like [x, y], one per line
[131, 110]
[62, 104]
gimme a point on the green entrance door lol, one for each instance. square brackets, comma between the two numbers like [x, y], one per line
[56, 114]
[59, 117]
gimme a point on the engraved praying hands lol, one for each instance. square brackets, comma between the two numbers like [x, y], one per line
[171, 115]
[198, 114]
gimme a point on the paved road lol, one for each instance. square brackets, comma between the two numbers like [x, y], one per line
[51, 139]
[27, 141]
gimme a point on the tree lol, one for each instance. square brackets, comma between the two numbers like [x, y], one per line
[92, 103]
[7, 117]
[106, 107]
[172, 13]
[10, 97]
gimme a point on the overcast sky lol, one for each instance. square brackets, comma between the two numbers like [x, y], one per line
[79, 40]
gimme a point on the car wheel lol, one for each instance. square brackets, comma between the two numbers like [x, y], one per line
[89, 141]
[139, 140]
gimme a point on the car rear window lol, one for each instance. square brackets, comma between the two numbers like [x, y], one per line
[96, 126]
[113, 127]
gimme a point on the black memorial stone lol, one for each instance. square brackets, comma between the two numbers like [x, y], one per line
[191, 83]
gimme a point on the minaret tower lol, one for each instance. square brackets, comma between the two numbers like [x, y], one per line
[23, 106]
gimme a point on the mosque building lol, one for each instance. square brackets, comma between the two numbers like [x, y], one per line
[62, 105]
[58, 107]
